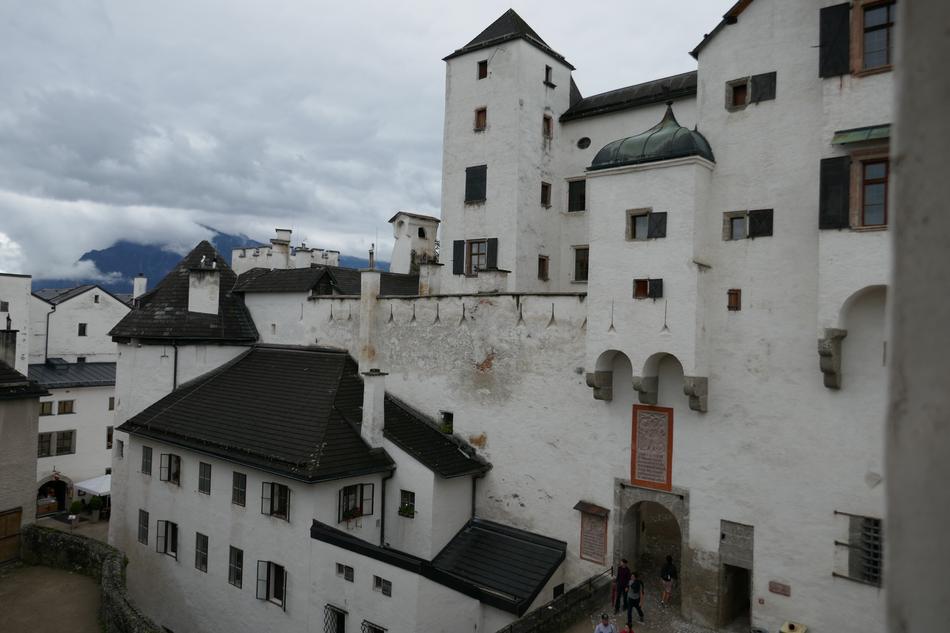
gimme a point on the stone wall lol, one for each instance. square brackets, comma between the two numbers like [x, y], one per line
[567, 609]
[104, 563]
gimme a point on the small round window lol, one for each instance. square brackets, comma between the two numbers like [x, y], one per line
[584, 143]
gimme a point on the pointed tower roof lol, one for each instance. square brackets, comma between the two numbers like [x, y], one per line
[510, 26]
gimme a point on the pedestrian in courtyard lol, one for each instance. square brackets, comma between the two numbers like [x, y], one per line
[634, 597]
[667, 576]
[623, 581]
[605, 626]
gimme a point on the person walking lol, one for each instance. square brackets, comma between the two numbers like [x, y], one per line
[634, 597]
[623, 581]
[667, 576]
[605, 626]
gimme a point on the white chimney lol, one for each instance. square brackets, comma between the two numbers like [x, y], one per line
[139, 284]
[374, 407]
[204, 288]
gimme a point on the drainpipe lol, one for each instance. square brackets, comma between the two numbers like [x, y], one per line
[475, 479]
[46, 343]
[175, 370]
[382, 515]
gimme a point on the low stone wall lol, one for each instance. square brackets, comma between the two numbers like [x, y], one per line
[566, 610]
[62, 550]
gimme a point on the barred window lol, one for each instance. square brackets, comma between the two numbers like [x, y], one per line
[369, 627]
[864, 550]
[334, 620]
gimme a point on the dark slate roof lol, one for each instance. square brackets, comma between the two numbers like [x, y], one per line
[56, 296]
[498, 565]
[656, 91]
[344, 281]
[290, 411]
[162, 313]
[731, 17]
[510, 26]
[664, 141]
[53, 375]
[279, 280]
[419, 216]
[14, 385]
[418, 436]
[502, 559]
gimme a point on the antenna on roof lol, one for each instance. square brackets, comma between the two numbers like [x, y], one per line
[372, 256]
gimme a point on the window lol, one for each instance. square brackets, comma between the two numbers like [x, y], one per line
[382, 585]
[477, 258]
[369, 627]
[272, 583]
[483, 69]
[407, 503]
[577, 195]
[548, 76]
[80, 359]
[543, 267]
[46, 408]
[878, 36]
[355, 501]
[547, 126]
[111, 403]
[475, 179]
[345, 572]
[166, 539]
[644, 224]
[45, 448]
[739, 225]
[120, 449]
[204, 478]
[169, 468]
[334, 620]
[65, 442]
[82, 329]
[874, 193]
[581, 255]
[108, 437]
[201, 552]
[4, 306]
[108, 471]
[734, 299]
[648, 289]
[238, 488]
[864, 550]
[65, 406]
[275, 500]
[448, 422]
[235, 566]
[583, 142]
[737, 94]
[546, 194]
[481, 119]
[95, 298]
[147, 460]
[143, 527]
[422, 233]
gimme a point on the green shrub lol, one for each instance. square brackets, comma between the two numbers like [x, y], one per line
[95, 503]
[75, 507]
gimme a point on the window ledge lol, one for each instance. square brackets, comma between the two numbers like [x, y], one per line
[546, 206]
[549, 84]
[835, 574]
[869, 229]
[877, 70]
[474, 203]
[574, 281]
[479, 130]
[578, 212]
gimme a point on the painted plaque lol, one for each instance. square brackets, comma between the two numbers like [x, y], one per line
[593, 538]
[651, 459]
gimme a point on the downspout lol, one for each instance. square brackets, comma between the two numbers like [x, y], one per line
[382, 515]
[475, 479]
[46, 342]
[175, 368]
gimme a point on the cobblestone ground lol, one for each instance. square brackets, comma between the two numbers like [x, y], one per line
[47, 600]
[657, 619]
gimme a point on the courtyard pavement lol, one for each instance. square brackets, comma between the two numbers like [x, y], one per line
[98, 530]
[657, 619]
[47, 600]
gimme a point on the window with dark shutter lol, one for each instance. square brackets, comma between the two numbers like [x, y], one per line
[481, 119]
[492, 259]
[577, 195]
[760, 223]
[763, 87]
[834, 40]
[833, 193]
[657, 227]
[475, 178]
[483, 69]
[458, 257]
[656, 289]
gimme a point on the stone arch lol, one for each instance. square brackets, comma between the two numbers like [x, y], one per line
[856, 312]
[610, 366]
[58, 487]
[863, 350]
[662, 370]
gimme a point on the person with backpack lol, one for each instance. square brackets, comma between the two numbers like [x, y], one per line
[667, 576]
[634, 597]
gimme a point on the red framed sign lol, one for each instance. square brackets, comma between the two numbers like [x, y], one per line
[651, 449]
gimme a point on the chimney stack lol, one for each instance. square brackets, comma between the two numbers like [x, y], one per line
[204, 287]
[139, 284]
[374, 407]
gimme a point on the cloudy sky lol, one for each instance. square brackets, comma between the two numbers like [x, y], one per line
[143, 120]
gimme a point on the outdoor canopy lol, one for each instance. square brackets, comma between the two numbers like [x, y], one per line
[97, 486]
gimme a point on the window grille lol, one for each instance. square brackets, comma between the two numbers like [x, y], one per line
[334, 620]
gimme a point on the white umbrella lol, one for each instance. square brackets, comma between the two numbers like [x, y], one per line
[97, 486]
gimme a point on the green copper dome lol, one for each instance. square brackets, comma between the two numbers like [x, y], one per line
[665, 140]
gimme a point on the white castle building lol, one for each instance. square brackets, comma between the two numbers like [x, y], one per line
[614, 356]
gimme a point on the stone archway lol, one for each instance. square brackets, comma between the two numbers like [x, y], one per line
[56, 488]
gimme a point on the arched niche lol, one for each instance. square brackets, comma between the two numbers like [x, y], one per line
[611, 366]
[859, 337]
[662, 378]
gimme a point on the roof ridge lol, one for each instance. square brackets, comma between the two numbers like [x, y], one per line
[641, 83]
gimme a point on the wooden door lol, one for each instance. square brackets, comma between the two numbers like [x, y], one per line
[10, 534]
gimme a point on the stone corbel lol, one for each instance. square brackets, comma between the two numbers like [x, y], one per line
[697, 388]
[602, 382]
[646, 388]
[829, 356]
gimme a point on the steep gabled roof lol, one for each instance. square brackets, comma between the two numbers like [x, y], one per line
[291, 411]
[510, 26]
[656, 91]
[56, 296]
[14, 385]
[162, 313]
[60, 375]
[323, 280]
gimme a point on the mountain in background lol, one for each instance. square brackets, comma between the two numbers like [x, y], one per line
[127, 259]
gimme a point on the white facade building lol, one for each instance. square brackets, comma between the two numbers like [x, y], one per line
[281, 255]
[624, 326]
